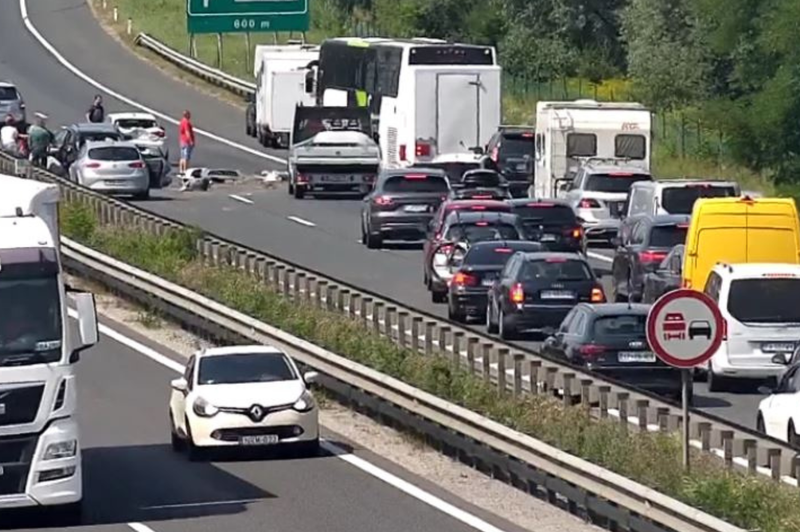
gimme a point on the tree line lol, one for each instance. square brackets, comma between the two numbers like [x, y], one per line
[736, 61]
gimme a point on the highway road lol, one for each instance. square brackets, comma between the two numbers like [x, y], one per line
[78, 59]
[134, 481]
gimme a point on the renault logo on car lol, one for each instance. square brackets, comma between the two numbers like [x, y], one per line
[256, 413]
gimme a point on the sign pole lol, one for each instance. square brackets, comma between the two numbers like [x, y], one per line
[247, 51]
[686, 377]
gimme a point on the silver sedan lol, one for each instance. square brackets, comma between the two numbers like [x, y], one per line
[112, 167]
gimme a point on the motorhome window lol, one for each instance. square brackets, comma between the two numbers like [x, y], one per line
[613, 182]
[680, 200]
[630, 146]
[451, 55]
[581, 145]
[428, 183]
[765, 300]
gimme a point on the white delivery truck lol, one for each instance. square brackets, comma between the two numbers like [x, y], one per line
[282, 74]
[40, 450]
[569, 132]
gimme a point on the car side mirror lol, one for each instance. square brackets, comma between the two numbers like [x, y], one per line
[779, 359]
[180, 385]
[311, 377]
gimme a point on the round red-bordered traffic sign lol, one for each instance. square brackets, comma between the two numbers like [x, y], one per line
[671, 334]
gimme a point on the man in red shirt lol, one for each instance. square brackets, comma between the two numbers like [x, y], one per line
[186, 140]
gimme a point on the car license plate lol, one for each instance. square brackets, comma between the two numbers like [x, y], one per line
[548, 238]
[636, 356]
[263, 439]
[487, 282]
[416, 208]
[337, 178]
[558, 294]
[778, 347]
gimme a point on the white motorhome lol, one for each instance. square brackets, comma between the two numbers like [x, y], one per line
[427, 97]
[568, 132]
[40, 451]
[281, 74]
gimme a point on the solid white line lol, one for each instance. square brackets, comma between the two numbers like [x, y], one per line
[240, 198]
[23, 8]
[598, 256]
[139, 527]
[301, 221]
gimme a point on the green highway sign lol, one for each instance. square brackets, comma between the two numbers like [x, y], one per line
[235, 16]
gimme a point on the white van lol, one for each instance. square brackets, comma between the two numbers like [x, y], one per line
[759, 304]
[675, 196]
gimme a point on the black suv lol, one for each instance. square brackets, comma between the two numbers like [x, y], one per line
[512, 150]
[480, 184]
[552, 222]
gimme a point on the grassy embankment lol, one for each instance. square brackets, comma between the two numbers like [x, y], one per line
[686, 150]
[652, 459]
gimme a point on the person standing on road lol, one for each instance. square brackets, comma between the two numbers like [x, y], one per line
[39, 140]
[96, 112]
[187, 141]
[9, 135]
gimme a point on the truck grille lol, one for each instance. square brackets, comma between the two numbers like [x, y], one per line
[16, 455]
[20, 405]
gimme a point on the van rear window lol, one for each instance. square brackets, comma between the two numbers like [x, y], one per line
[416, 183]
[667, 236]
[765, 300]
[680, 200]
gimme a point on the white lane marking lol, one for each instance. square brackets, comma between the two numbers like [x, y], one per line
[23, 8]
[598, 256]
[301, 221]
[240, 198]
[369, 468]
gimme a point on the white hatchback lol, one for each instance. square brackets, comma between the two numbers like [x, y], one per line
[248, 396]
[142, 128]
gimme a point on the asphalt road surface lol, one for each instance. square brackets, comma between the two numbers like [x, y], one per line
[319, 234]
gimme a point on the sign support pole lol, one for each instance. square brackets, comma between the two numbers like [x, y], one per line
[686, 377]
[247, 51]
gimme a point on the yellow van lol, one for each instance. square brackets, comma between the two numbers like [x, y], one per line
[739, 230]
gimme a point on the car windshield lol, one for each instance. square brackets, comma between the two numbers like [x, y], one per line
[668, 236]
[619, 183]
[114, 153]
[545, 214]
[8, 93]
[482, 231]
[454, 171]
[495, 254]
[622, 326]
[680, 200]
[766, 300]
[131, 123]
[245, 368]
[556, 270]
[416, 183]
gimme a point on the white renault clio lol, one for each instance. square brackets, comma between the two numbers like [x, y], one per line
[243, 396]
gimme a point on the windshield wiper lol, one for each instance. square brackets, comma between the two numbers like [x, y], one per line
[21, 357]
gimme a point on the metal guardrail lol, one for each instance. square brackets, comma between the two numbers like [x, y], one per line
[210, 74]
[591, 491]
[505, 364]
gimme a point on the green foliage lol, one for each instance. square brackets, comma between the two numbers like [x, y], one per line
[77, 221]
[653, 459]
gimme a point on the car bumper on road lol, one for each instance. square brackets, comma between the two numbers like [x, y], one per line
[721, 365]
[226, 430]
[122, 187]
[400, 226]
[469, 303]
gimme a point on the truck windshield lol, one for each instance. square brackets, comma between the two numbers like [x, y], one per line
[619, 183]
[680, 200]
[30, 313]
[769, 300]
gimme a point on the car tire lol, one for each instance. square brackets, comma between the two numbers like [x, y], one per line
[373, 241]
[309, 449]
[761, 427]
[491, 327]
[193, 452]
[438, 297]
[175, 441]
[792, 437]
[290, 188]
[299, 192]
[506, 330]
[716, 383]
[453, 314]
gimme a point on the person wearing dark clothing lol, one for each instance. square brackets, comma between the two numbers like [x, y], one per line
[96, 112]
[39, 140]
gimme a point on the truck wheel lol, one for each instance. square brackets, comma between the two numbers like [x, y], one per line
[299, 192]
[68, 515]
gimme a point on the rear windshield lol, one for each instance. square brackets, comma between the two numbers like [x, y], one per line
[99, 137]
[482, 179]
[667, 236]
[428, 183]
[624, 326]
[454, 171]
[680, 200]
[8, 93]
[765, 300]
[515, 147]
[556, 270]
[477, 233]
[496, 255]
[546, 214]
[116, 153]
[613, 183]
[130, 123]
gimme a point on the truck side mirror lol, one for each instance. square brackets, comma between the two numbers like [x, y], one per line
[87, 323]
[310, 83]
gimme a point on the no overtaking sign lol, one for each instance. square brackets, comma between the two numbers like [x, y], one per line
[685, 328]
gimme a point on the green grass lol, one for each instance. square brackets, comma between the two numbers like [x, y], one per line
[652, 459]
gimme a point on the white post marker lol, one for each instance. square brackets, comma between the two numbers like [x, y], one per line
[684, 329]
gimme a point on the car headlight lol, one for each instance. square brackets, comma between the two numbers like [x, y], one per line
[305, 403]
[61, 449]
[203, 408]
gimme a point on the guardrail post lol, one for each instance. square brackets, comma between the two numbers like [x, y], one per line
[444, 331]
[341, 300]
[330, 297]
[586, 393]
[277, 274]
[363, 311]
[472, 347]
[299, 283]
[261, 265]
[549, 379]
[486, 362]
[533, 375]
[430, 327]
[307, 290]
[662, 415]
[458, 336]
[214, 254]
[750, 449]
[402, 331]
[622, 406]
[604, 390]
[319, 295]
[774, 461]
[567, 379]
[416, 325]
[502, 356]
[726, 437]
[388, 322]
[353, 304]
[641, 413]
[287, 283]
[704, 430]
[240, 258]
[377, 309]
[252, 260]
[517, 390]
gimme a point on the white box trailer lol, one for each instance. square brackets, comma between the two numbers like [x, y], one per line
[32, 198]
[568, 132]
[280, 73]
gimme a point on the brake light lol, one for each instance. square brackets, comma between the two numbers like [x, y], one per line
[652, 256]
[620, 174]
[495, 153]
[779, 275]
[92, 165]
[682, 226]
[687, 283]
[588, 204]
[478, 208]
[575, 232]
[383, 201]
[597, 295]
[301, 178]
[444, 250]
[503, 250]
[137, 164]
[555, 259]
[422, 149]
[528, 135]
[402, 152]
[591, 350]
[416, 176]
[724, 329]
[482, 196]
[464, 279]
[517, 294]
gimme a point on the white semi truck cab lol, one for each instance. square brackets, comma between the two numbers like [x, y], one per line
[40, 448]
